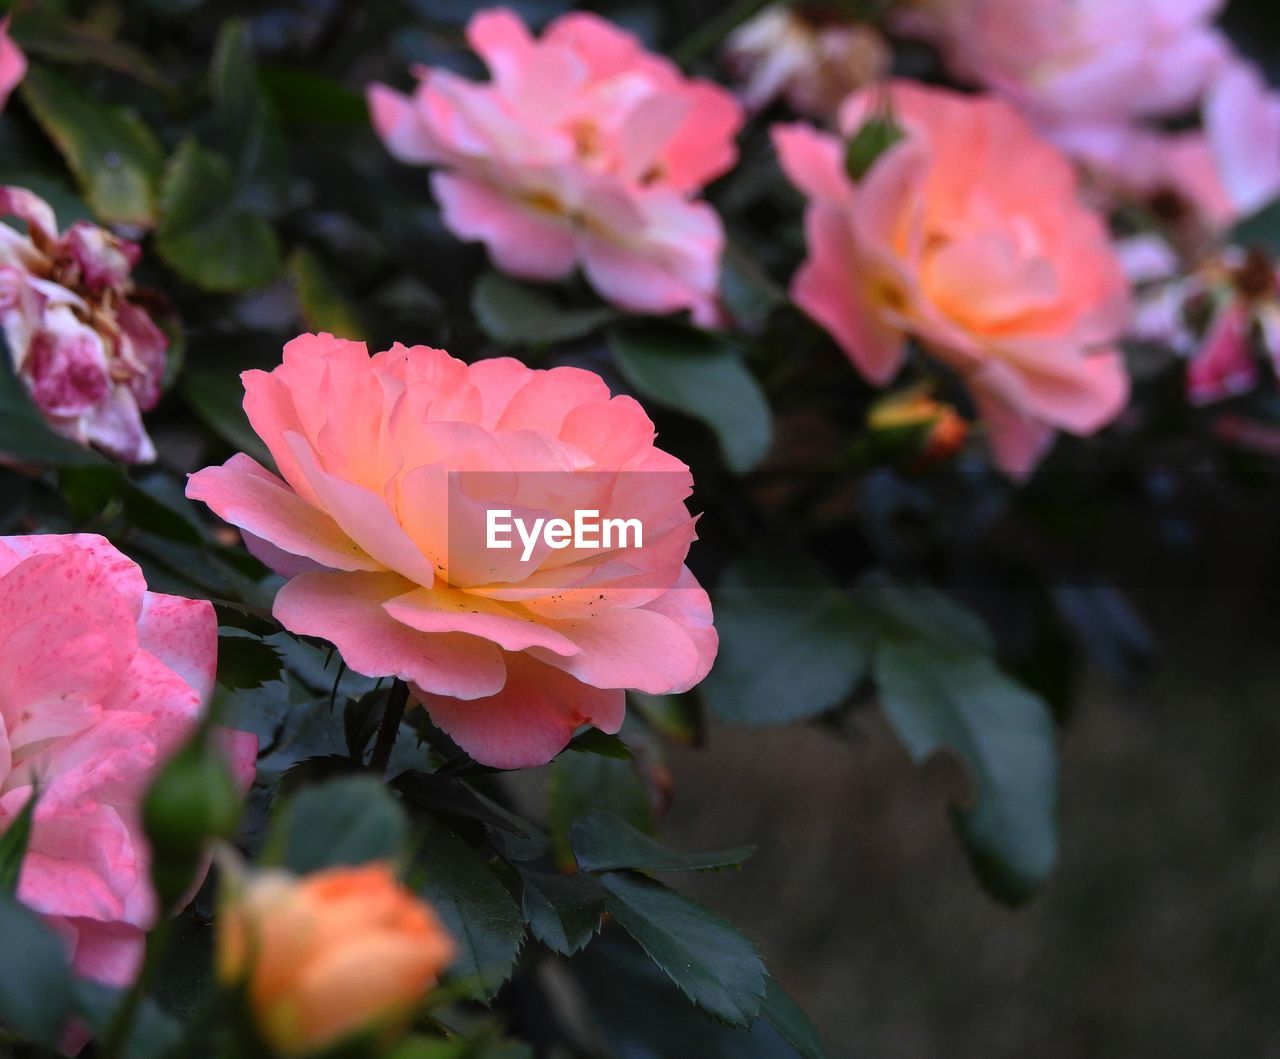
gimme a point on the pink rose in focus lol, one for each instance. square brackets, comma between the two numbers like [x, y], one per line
[968, 236]
[1079, 62]
[100, 681]
[389, 466]
[89, 354]
[13, 64]
[815, 63]
[583, 149]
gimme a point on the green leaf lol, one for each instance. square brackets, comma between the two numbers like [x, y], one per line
[35, 979]
[304, 98]
[154, 1034]
[702, 377]
[563, 911]
[875, 137]
[919, 611]
[115, 158]
[1003, 734]
[473, 905]
[606, 842]
[449, 796]
[350, 820]
[324, 307]
[594, 741]
[1260, 229]
[584, 783]
[515, 314]
[23, 433]
[13, 847]
[207, 232]
[705, 956]
[785, 1016]
[246, 662]
[249, 126]
[791, 645]
[218, 399]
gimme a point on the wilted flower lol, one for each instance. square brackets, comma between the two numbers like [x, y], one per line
[100, 681]
[391, 465]
[584, 149]
[13, 64]
[811, 61]
[88, 353]
[329, 956]
[1079, 62]
[965, 233]
[1220, 317]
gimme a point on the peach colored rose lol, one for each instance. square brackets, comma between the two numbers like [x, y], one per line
[1079, 62]
[13, 64]
[88, 353]
[100, 680]
[966, 235]
[812, 62]
[389, 466]
[583, 149]
[329, 956]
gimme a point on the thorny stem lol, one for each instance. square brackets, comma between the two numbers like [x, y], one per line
[390, 726]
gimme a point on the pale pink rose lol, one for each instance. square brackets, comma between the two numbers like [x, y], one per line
[583, 149]
[1217, 174]
[1079, 62]
[813, 63]
[90, 356]
[13, 64]
[389, 467]
[968, 236]
[100, 681]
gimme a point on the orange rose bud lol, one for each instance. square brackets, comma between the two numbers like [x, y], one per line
[913, 422]
[330, 956]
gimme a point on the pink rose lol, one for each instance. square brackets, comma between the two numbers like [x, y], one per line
[13, 64]
[1079, 62]
[100, 681]
[813, 62]
[583, 149]
[390, 467]
[90, 356]
[1218, 174]
[966, 235]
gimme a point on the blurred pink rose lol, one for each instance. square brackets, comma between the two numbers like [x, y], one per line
[813, 63]
[1079, 62]
[390, 465]
[966, 235]
[100, 680]
[583, 149]
[1211, 177]
[89, 355]
[13, 64]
